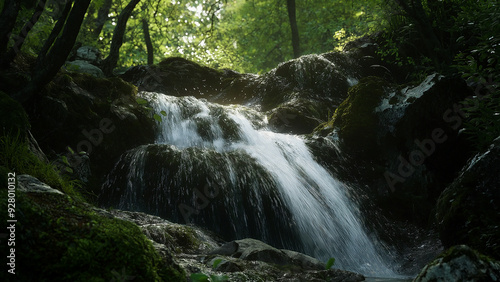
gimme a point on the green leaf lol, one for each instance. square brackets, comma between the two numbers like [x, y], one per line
[157, 117]
[70, 170]
[199, 277]
[71, 150]
[330, 263]
[217, 278]
[163, 113]
[65, 160]
[216, 263]
[141, 101]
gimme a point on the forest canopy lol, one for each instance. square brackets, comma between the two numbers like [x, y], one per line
[244, 35]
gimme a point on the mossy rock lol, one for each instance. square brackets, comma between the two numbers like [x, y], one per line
[13, 118]
[98, 116]
[460, 263]
[468, 211]
[62, 239]
[355, 119]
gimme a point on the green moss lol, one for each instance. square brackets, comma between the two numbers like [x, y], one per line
[62, 239]
[185, 239]
[16, 157]
[355, 119]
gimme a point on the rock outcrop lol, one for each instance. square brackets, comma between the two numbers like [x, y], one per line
[468, 211]
[460, 263]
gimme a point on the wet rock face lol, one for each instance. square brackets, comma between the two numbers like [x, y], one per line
[468, 211]
[460, 263]
[159, 170]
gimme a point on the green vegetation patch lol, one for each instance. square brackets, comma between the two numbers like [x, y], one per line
[62, 239]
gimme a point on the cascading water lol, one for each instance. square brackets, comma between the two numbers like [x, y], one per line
[219, 166]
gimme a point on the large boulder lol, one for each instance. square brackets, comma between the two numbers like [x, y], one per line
[255, 250]
[96, 117]
[460, 263]
[397, 140]
[89, 54]
[81, 66]
[468, 211]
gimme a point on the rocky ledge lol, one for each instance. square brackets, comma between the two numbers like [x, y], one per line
[60, 234]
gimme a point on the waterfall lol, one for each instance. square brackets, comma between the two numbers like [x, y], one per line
[220, 167]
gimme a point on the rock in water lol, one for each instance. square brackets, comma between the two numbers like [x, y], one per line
[460, 263]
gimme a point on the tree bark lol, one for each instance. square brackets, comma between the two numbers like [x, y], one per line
[102, 17]
[48, 65]
[147, 39]
[7, 21]
[116, 42]
[19, 41]
[290, 4]
[54, 33]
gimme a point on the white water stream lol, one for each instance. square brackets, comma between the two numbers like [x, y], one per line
[320, 207]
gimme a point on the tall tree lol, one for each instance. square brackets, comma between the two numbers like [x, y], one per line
[147, 39]
[53, 57]
[114, 53]
[102, 17]
[290, 5]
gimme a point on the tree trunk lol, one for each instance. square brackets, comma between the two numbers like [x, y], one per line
[102, 17]
[54, 33]
[147, 39]
[116, 42]
[7, 21]
[19, 41]
[48, 65]
[290, 4]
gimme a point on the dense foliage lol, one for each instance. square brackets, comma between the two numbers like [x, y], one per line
[250, 36]
[454, 37]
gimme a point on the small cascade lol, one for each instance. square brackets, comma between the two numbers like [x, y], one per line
[220, 167]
